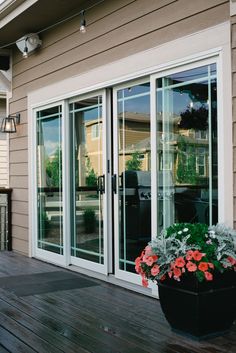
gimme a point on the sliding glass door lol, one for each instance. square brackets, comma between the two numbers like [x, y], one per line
[186, 146]
[49, 180]
[88, 182]
[132, 173]
[163, 167]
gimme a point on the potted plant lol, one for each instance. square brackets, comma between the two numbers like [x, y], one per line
[195, 268]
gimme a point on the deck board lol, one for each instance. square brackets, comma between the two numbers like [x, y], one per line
[44, 309]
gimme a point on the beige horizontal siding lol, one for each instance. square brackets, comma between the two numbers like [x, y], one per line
[20, 220]
[19, 156]
[20, 143]
[18, 169]
[20, 207]
[20, 246]
[19, 181]
[3, 163]
[19, 195]
[116, 29]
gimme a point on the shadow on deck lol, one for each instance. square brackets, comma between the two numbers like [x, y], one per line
[46, 309]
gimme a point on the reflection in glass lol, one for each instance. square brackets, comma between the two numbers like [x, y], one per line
[49, 180]
[88, 180]
[134, 155]
[187, 147]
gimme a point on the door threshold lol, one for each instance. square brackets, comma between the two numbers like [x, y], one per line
[113, 280]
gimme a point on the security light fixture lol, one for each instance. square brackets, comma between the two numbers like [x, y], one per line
[29, 43]
[9, 123]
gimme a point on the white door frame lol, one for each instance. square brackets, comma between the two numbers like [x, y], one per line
[90, 265]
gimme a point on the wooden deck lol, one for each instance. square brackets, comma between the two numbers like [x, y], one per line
[46, 309]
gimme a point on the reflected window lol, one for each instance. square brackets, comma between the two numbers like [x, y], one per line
[187, 147]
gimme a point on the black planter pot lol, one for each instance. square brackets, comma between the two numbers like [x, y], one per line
[200, 310]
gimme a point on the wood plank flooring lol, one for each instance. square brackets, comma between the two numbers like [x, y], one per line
[46, 309]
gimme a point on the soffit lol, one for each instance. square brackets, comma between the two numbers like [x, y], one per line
[38, 16]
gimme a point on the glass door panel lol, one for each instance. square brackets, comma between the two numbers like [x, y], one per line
[187, 147]
[49, 180]
[87, 242]
[134, 173]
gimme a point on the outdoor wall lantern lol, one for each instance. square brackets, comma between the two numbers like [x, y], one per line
[9, 123]
[29, 43]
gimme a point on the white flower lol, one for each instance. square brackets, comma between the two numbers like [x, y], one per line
[212, 234]
[185, 230]
[180, 232]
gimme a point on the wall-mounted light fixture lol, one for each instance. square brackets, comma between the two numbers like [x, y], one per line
[9, 123]
[82, 22]
[28, 44]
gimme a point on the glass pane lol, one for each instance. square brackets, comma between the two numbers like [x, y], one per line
[134, 155]
[49, 180]
[88, 181]
[187, 147]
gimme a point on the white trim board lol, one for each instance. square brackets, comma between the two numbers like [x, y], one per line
[192, 47]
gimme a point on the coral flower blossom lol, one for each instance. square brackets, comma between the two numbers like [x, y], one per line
[231, 260]
[137, 261]
[177, 272]
[208, 276]
[192, 267]
[203, 266]
[155, 258]
[197, 255]
[211, 265]
[148, 260]
[179, 262]
[144, 282]
[189, 255]
[155, 270]
[148, 251]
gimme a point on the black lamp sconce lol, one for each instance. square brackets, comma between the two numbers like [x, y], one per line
[9, 123]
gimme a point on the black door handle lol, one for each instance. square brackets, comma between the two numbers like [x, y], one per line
[101, 184]
[113, 182]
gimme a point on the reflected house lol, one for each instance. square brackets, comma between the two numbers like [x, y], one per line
[134, 137]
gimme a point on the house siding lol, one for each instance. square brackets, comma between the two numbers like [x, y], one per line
[116, 29]
[233, 46]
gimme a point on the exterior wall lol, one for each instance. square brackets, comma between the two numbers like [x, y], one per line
[3, 149]
[116, 29]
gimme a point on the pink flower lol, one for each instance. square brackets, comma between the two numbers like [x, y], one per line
[177, 272]
[138, 269]
[148, 250]
[231, 260]
[155, 270]
[179, 262]
[138, 261]
[197, 255]
[208, 276]
[191, 266]
[203, 266]
[189, 255]
[148, 260]
[170, 274]
[211, 265]
[144, 282]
